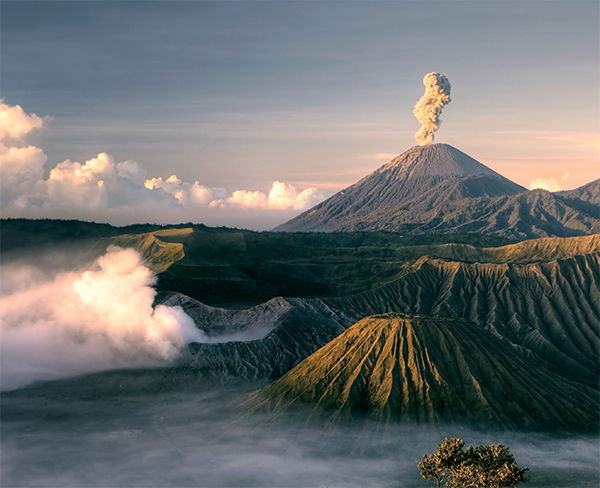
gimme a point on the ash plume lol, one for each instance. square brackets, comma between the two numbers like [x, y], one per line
[429, 107]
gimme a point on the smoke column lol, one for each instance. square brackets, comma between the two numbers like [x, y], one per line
[429, 107]
[99, 318]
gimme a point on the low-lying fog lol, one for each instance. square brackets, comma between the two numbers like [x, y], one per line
[159, 428]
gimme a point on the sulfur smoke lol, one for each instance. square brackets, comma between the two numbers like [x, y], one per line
[429, 107]
[99, 318]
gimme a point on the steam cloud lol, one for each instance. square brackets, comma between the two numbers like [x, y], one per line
[81, 189]
[429, 107]
[78, 322]
[549, 184]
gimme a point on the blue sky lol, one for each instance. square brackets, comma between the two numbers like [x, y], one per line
[239, 94]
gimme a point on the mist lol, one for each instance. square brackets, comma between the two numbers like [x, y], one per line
[159, 428]
[56, 324]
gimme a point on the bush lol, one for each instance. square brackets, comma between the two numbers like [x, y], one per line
[490, 466]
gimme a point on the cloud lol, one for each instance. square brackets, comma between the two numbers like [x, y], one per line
[15, 123]
[549, 184]
[21, 169]
[101, 317]
[103, 183]
[282, 196]
[187, 194]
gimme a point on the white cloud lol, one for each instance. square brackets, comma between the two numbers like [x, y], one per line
[76, 322]
[21, 169]
[282, 196]
[549, 184]
[187, 194]
[15, 123]
[102, 183]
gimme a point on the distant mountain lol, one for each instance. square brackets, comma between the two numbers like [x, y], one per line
[431, 369]
[439, 189]
[588, 193]
[526, 215]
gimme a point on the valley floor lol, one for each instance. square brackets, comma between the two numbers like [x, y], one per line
[158, 428]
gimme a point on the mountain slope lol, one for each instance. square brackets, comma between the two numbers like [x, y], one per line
[589, 192]
[431, 369]
[532, 214]
[550, 308]
[542, 296]
[439, 189]
[407, 177]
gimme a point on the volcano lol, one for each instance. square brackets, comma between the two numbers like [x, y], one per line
[417, 368]
[439, 189]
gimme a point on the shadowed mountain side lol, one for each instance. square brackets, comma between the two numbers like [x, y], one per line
[234, 267]
[537, 213]
[439, 189]
[18, 235]
[552, 308]
[297, 333]
[549, 310]
[250, 323]
[524, 215]
[433, 369]
[589, 193]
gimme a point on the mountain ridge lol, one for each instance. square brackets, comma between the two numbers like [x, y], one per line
[439, 189]
[417, 368]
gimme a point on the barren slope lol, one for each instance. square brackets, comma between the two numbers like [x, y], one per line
[439, 189]
[431, 369]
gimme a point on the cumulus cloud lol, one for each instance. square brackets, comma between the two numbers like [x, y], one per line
[187, 194]
[281, 196]
[15, 123]
[429, 107]
[102, 182]
[21, 169]
[99, 318]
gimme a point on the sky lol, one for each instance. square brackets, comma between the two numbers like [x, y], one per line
[261, 109]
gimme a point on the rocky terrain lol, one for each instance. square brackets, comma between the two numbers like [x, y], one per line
[540, 295]
[426, 369]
